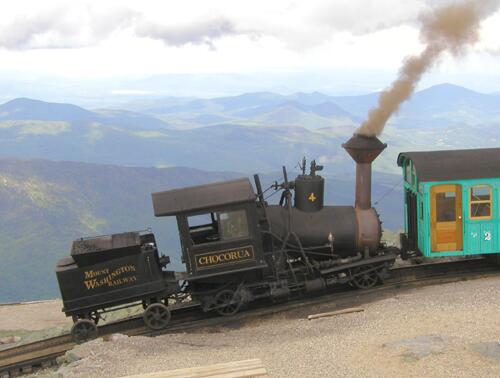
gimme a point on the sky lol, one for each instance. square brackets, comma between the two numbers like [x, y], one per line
[223, 47]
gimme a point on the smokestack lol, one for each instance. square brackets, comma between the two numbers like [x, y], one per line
[364, 150]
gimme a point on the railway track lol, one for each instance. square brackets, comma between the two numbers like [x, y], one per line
[25, 358]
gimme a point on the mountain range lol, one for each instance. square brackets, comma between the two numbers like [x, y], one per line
[246, 133]
[446, 102]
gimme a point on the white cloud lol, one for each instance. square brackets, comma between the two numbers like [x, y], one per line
[62, 26]
[203, 31]
[90, 38]
[87, 23]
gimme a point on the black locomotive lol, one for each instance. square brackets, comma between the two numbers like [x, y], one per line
[236, 248]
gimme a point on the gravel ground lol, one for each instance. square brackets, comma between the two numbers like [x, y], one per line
[450, 330]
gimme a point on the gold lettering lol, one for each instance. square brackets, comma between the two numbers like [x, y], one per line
[89, 274]
[91, 284]
[224, 257]
[109, 278]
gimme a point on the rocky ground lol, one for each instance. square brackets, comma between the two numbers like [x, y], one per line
[450, 330]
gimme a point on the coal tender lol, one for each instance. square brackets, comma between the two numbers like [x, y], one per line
[111, 272]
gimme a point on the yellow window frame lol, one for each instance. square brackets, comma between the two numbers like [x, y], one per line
[477, 202]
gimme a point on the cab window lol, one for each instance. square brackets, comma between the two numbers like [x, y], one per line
[203, 228]
[480, 202]
[217, 226]
[233, 224]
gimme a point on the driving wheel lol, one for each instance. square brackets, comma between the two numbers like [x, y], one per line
[364, 280]
[227, 302]
[157, 316]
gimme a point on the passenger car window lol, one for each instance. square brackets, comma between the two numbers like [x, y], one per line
[480, 202]
[446, 207]
[233, 224]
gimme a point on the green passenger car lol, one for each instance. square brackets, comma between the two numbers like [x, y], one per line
[452, 202]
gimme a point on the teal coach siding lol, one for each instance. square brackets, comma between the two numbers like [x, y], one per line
[480, 236]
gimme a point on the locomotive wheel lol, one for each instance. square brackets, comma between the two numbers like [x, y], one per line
[364, 280]
[227, 302]
[157, 316]
[83, 330]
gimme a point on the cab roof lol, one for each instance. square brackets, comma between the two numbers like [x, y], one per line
[454, 164]
[198, 198]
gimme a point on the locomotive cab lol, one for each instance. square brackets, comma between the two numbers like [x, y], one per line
[218, 227]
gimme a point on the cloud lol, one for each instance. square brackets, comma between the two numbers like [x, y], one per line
[362, 17]
[82, 26]
[63, 27]
[296, 24]
[203, 31]
[23, 31]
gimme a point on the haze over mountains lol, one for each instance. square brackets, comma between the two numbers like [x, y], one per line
[246, 133]
[45, 204]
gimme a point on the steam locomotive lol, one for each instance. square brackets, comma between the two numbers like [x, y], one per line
[236, 248]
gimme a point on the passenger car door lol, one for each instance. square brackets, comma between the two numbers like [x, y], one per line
[446, 218]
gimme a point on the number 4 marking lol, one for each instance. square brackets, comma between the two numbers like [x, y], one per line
[312, 197]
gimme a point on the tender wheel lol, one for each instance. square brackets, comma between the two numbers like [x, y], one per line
[227, 302]
[364, 280]
[83, 330]
[156, 316]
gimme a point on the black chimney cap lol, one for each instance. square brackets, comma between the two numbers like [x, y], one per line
[364, 149]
